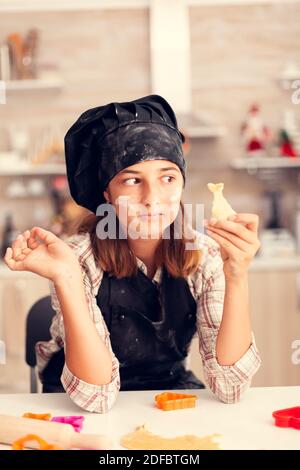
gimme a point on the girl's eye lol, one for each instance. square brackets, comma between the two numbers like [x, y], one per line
[130, 181]
[134, 181]
[170, 179]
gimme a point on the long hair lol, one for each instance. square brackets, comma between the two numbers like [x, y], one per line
[115, 256]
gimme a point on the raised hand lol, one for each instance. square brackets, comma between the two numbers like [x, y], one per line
[41, 252]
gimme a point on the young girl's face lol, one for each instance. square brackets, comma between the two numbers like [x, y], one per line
[146, 197]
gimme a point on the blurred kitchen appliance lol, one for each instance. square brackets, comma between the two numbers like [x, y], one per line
[274, 220]
[9, 233]
[275, 239]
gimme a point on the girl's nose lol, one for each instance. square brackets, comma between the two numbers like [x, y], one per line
[150, 196]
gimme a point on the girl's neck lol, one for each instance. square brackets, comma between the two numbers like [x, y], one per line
[145, 249]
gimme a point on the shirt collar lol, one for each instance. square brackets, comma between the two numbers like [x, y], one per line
[157, 276]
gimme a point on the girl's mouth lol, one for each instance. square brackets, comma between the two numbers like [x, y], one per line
[150, 216]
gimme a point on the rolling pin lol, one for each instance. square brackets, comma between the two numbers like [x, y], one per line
[61, 435]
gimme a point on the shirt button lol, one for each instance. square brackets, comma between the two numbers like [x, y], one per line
[136, 340]
[171, 372]
[122, 291]
[122, 317]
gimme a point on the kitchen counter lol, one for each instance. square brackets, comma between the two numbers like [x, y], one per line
[246, 425]
[6, 273]
[261, 263]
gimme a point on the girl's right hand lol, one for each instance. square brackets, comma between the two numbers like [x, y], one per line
[43, 253]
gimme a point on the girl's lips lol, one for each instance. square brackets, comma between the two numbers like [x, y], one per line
[149, 215]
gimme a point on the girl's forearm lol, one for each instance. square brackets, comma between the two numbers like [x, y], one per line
[234, 337]
[87, 356]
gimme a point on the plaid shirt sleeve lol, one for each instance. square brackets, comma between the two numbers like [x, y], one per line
[88, 396]
[228, 383]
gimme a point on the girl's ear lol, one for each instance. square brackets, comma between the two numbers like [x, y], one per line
[105, 193]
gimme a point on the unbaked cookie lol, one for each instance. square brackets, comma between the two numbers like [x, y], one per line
[221, 209]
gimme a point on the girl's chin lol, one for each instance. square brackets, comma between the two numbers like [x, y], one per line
[152, 231]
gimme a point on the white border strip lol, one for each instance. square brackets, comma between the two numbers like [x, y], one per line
[238, 2]
[22, 6]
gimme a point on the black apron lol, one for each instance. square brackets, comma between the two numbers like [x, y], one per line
[151, 327]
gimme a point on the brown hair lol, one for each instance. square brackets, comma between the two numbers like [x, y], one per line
[115, 257]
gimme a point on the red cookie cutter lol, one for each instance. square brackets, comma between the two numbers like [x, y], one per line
[288, 418]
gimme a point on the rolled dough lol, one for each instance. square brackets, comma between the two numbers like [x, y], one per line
[142, 439]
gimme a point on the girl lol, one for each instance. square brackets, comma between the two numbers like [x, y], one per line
[135, 284]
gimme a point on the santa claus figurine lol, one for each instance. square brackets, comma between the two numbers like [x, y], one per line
[255, 133]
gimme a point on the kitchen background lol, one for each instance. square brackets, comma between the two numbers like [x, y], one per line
[230, 69]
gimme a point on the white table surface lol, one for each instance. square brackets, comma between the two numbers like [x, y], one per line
[246, 425]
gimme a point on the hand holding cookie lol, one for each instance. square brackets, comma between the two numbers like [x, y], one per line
[236, 234]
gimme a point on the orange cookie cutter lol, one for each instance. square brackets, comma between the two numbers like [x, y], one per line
[42, 416]
[169, 401]
[20, 443]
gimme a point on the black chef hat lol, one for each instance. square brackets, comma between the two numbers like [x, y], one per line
[109, 138]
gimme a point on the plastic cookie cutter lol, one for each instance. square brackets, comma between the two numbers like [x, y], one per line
[288, 418]
[20, 443]
[42, 416]
[75, 421]
[168, 401]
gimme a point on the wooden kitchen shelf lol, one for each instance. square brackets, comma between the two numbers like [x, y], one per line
[256, 163]
[53, 84]
[24, 169]
[197, 127]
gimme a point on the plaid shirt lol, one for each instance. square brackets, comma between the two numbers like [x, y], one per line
[207, 286]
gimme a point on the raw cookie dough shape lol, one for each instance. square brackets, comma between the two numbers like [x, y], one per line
[221, 209]
[142, 439]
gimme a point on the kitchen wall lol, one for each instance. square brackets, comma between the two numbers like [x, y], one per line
[102, 56]
[237, 55]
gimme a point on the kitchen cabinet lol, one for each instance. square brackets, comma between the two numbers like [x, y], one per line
[275, 311]
[18, 292]
[274, 299]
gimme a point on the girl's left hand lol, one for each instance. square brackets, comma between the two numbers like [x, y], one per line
[238, 240]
